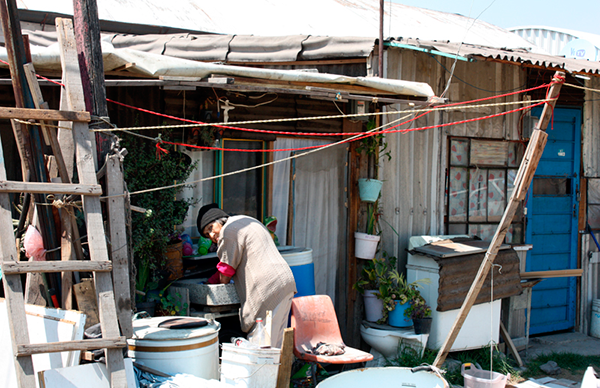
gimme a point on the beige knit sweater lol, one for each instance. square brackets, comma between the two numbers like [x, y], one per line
[262, 278]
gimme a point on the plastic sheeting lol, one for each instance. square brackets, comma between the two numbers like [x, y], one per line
[319, 221]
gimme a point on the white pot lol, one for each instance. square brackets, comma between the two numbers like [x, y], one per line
[373, 306]
[365, 245]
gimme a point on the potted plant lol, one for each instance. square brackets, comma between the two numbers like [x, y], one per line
[375, 148]
[396, 293]
[365, 244]
[420, 313]
[368, 285]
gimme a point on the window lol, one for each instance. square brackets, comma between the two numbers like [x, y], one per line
[481, 177]
[241, 193]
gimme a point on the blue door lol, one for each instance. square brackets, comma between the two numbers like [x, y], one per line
[552, 214]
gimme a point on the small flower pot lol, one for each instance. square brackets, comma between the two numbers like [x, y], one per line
[369, 189]
[365, 245]
[396, 317]
[422, 325]
[373, 306]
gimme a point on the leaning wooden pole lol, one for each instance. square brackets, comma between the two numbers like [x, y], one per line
[532, 156]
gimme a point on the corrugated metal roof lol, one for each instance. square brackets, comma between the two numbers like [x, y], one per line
[553, 39]
[284, 18]
[515, 55]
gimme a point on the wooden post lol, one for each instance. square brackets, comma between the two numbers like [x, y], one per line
[91, 205]
[532, 156]
[86, 26]
[284, 372]
[118, 242]
[15, 304]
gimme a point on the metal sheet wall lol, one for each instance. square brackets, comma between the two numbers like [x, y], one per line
[413, 190]
[591, 130]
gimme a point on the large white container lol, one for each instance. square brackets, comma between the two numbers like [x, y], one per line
[194, 351]
[481, 326]
[249, 368]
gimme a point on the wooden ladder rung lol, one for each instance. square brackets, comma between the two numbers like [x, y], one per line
[17, 267]
[44, 114]
[54, 347]
[54, 188]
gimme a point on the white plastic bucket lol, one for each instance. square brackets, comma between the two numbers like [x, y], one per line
[373, 306]
[249, 368]
[595, 321]
[365, 245]
[194, 351]
[478, 378]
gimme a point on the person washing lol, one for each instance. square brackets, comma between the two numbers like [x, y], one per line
[247, 254]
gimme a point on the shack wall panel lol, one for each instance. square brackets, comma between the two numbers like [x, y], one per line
[591, 131]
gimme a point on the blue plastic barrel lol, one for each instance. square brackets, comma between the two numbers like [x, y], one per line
[301, 263]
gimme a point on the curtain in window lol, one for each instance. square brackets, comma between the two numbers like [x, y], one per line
[319, 219]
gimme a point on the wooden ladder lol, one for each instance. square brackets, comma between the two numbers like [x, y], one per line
[99, 264]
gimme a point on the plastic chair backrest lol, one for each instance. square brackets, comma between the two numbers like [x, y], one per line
[314, 321]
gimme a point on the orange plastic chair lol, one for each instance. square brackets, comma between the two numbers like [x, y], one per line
[314, 321]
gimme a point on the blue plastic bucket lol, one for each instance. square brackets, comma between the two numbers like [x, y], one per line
[301, 263]
[396, 317]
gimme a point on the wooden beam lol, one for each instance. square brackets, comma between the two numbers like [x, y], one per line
[284, 371]
[525, 174]
[93, 212]
[511, 346]
[10, 267]
[52, 188]
[55, 347]
[559, 273]
[43, 114]
[119, 251]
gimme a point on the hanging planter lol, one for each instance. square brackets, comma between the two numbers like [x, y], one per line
[365, 245]
[369, 189]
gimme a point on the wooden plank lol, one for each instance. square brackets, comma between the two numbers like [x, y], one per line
[525, 174]
[511, 346]
[13, 290]
[11, 267]
[559, 273]
[85, 296]
[87, 344]
[43, 114]
[118, 243]
[85, 159]
[54, 188]
[287, 358]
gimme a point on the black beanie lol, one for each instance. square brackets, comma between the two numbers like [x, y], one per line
[208, 214]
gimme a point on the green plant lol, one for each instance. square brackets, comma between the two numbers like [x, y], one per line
[371, 275]
[170, 304]
[375, 148]
[395, 289]
[373, 219]
[146, 168]
[418, 307]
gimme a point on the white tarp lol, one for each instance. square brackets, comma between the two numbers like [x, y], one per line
[154, 65]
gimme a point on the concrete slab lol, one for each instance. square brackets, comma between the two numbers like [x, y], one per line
[577, 343]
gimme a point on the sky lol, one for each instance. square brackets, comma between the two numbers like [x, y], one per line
[583, 15]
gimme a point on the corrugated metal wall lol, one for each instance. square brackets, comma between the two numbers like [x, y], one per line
[414, 180]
